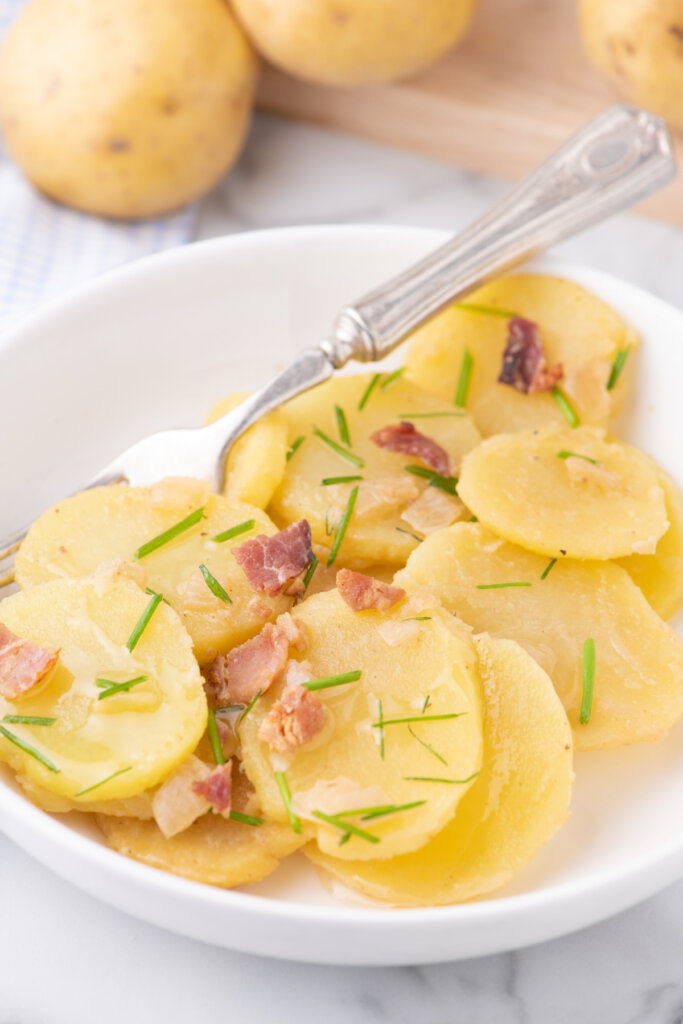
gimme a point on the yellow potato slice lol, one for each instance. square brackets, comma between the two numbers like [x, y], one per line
[213, 850]
[376, 532]
[660, 576]
[256, 462]
[402, 663]
[638, 692]
[133, 738]
[566, 492]
[139, 806]
[578, 331]
[81, 533]
[515, 806]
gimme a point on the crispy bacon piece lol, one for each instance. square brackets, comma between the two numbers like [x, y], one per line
[253, 666]
[216, 788]
[363, 592]
[405, 439]
[270, 563]
[292, 721]
[524, 365]
[22, 664]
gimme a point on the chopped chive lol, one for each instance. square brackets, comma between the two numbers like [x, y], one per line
[153, 593]
[342, 426]
[143, 622]
[312, 566]
[250, 705]
[410, 534]
[28, 749]
[110, 688]
[418, 618]
[463, 384]
[430, 415]
[368, 391]
[429, 778]
[345, 838]
[28, 720]
[286, 795]
[391, 377]
[617, 367]
[342, 526]
[327, 481]
[381, 729]
[416, 718]
[548, 567]
[344, 826]
[327, 681]
[246, 819]
[588, 680]
[498, 586]
[368, 813]
[230, 708]
[565, 407]
[214, 586]
[234, 531]
[294, 447]
[473, 519]
[168, 535]
[576, 455]
[426, 703]
[345, 454]
[426, 745]
[89, 789]
[449, 484]
[214, 738]
[470, 307]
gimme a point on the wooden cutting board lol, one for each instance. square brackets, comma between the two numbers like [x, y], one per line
[514, 89]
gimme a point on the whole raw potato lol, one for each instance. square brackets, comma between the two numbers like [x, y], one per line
[126, 109]
[354, 42]
[638, 45]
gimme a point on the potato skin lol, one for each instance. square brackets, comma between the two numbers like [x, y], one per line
[126, 110]
[639, 47]
[354, 42]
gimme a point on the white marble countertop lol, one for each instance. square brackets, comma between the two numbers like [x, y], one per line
[67, 959]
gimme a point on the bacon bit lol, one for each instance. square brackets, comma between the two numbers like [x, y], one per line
[175, 804]
[124, 570]
[294, 630]
[293, 721]
[22, 664]
[216, 788]
[432, 511]
[257, 607]
[176, 492]
[361, 592]
[253, 666]
[596, 477]
[405, 439]
[524, 362]
[270, 563]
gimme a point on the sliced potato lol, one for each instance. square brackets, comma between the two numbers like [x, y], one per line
[578, 331]
[402, 663]
[519, 800]
[566, 492]
[83, 532]
[133, 738]
[638, 691]
[376, 532]
[139, 806]
[213, 850]
[256, 462]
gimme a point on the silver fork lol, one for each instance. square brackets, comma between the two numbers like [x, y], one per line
[617, 159]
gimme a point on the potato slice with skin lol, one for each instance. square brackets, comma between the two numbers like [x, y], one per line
[376, 532]
[638, 692]
[603, 501]
[433, 657]
[515, 806]
[578, 331]
[139, 740]
[256, 462]
[214, 850]
[81, 533]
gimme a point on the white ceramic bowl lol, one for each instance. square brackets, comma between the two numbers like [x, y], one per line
[153, 346]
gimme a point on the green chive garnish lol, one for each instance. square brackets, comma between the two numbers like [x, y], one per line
[368, 391]
[345, 827]
[463, 384]
[381, 729]
[470, 307]
[416, 718]
[391, 377]
[588, 680]
[329, 480]
[143, 622]
[427, 747]
[449, 484]
[286, 795]
[617, 367]
[168, 535]
[418, 618]
[28, 749]
[214, 738]
[28, 720]
[250, 705]
[565, 407]
[294, 447]
[214, 586]
[575, 455]
[426, 703]
[342, 426]
[498, 586]
[345, 454]
[343, 524]
[109, 687]
[327, 681]
[230, 708]
[410, 534]
[312, 566]
[450, 782]
[430, 415]
[89, 789]
[153, 593]
[368, 813]
[234, 531]
[246, 819]
[548, 567]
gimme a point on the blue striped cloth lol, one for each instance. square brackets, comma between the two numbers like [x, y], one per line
[46, 249]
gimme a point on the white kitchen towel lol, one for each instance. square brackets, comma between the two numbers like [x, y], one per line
[46, 249]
